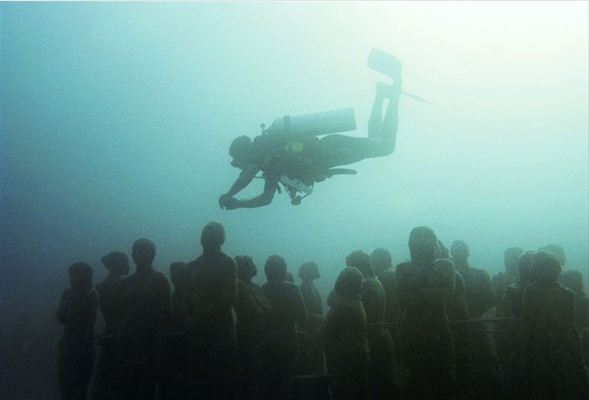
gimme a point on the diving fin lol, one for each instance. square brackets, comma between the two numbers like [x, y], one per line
[389, 65]
[385, 63]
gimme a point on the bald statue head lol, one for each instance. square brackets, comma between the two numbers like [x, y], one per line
[380, 260]
[143, 252]
[361, 260]
[212, 236]
[349, 283]
[423, 244]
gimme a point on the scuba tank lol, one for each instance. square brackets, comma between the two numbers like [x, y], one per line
[316, 124]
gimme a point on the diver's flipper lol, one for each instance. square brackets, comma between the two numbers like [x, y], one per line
[385, 63]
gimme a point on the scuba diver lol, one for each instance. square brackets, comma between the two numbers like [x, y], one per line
[290, 152]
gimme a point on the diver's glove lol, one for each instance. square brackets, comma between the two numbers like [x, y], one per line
[228, 202]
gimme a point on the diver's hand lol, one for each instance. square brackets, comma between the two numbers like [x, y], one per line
[228, 202]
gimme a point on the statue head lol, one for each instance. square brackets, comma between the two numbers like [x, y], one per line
[423, 243]
[275, 268]
[246, 268]
[116, 262]
[361, 260]
[143, 252]
[349, 283]
[309, 271]
[380, 260]
[212, 236]
[80, 276]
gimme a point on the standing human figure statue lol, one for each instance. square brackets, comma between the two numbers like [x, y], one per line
[486, 377]
[345, 339]
[77, 312]
[509, 276]
[107, 384]
[458, 311]
[551, 351]
[311, 349]
[145, 301]
[573, 280]
[251, 308]
[425, 286]
[280, 349]
[382, 264]
[212, 286]
[379, 338]
[509, 333]
[173, 376]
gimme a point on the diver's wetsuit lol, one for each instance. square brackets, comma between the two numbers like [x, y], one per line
[308, 158]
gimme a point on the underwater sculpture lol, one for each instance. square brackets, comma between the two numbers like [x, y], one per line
[295, 152]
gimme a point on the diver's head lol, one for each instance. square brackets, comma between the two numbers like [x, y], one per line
[309, 271]
[116, 262]
[143, 252]
[240, 151]
[80, 276]
[275, 269]
[459, 251]
[212, 236]
[423, 243]
[380, 260]
[246, 268]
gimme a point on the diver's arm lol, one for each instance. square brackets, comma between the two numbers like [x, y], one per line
[259, 201]
[244, 179]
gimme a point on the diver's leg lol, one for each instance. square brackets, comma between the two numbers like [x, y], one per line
[375, 120]
[385, 130]
[385, 144]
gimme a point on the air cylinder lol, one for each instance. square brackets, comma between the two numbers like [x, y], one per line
[316, 124]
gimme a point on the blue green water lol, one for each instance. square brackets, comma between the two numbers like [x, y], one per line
[116, 119]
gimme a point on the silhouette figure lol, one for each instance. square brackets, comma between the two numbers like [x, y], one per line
[345, 338]
[557, 251]
[379, 338]
[107, 383]
[503, 280]
[211, 330]
[551, 351]
[145, 301]
[508, 337]
[574, 280]
[382, 264]
[425, 286]
[251, 309]
[173, 378]
[279, 153]
[486, 379]
[77, 311]
[311, 349]
[458, 310]
[279, 350]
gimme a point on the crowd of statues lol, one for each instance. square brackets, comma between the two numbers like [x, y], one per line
[426, 329]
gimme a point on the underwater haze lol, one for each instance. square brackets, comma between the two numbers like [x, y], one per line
[116, 121]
